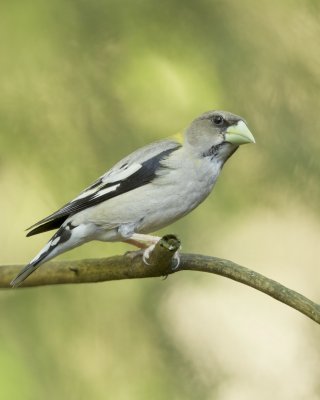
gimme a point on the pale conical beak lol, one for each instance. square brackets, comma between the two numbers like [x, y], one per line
[239, 134]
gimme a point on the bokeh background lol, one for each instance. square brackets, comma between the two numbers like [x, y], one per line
[83, 83]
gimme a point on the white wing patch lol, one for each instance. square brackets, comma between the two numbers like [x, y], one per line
[105, 191]
[113, 176]
[122, 173]
[86, 193]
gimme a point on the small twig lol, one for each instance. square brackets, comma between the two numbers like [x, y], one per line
[131, 266]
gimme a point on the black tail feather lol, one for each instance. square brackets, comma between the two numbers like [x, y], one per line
[31, 267]
[24, 273]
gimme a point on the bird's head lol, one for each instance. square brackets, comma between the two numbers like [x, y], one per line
[218, 134]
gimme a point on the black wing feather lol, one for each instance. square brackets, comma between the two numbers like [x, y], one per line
[141, 177]
[47, 226]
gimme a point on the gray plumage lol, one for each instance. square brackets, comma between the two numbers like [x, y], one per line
[147, 190]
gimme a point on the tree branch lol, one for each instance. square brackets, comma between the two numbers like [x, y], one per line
[131, 266]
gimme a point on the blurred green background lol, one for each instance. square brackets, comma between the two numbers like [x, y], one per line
[82, 84]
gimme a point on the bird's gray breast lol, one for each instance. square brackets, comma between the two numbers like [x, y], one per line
[177, 190]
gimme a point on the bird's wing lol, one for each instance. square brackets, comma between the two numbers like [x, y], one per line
[137, 169]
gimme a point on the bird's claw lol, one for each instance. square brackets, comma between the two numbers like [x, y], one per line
[146, 254]
[175, 261]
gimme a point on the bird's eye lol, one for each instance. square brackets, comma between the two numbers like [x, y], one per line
[218, 120]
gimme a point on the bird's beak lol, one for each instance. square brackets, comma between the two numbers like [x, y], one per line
[239, 134]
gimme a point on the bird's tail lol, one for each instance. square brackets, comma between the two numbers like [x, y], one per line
[66, 238]
[50, 250]
[45, 254]
[24, 273]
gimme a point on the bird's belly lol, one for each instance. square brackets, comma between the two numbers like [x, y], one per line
[172, 204]
[154, 205]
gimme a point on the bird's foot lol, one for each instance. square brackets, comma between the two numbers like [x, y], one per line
[149, 250]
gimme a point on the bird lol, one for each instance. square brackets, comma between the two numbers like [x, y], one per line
[148, 190]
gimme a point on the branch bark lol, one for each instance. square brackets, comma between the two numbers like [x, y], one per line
[131, 266]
